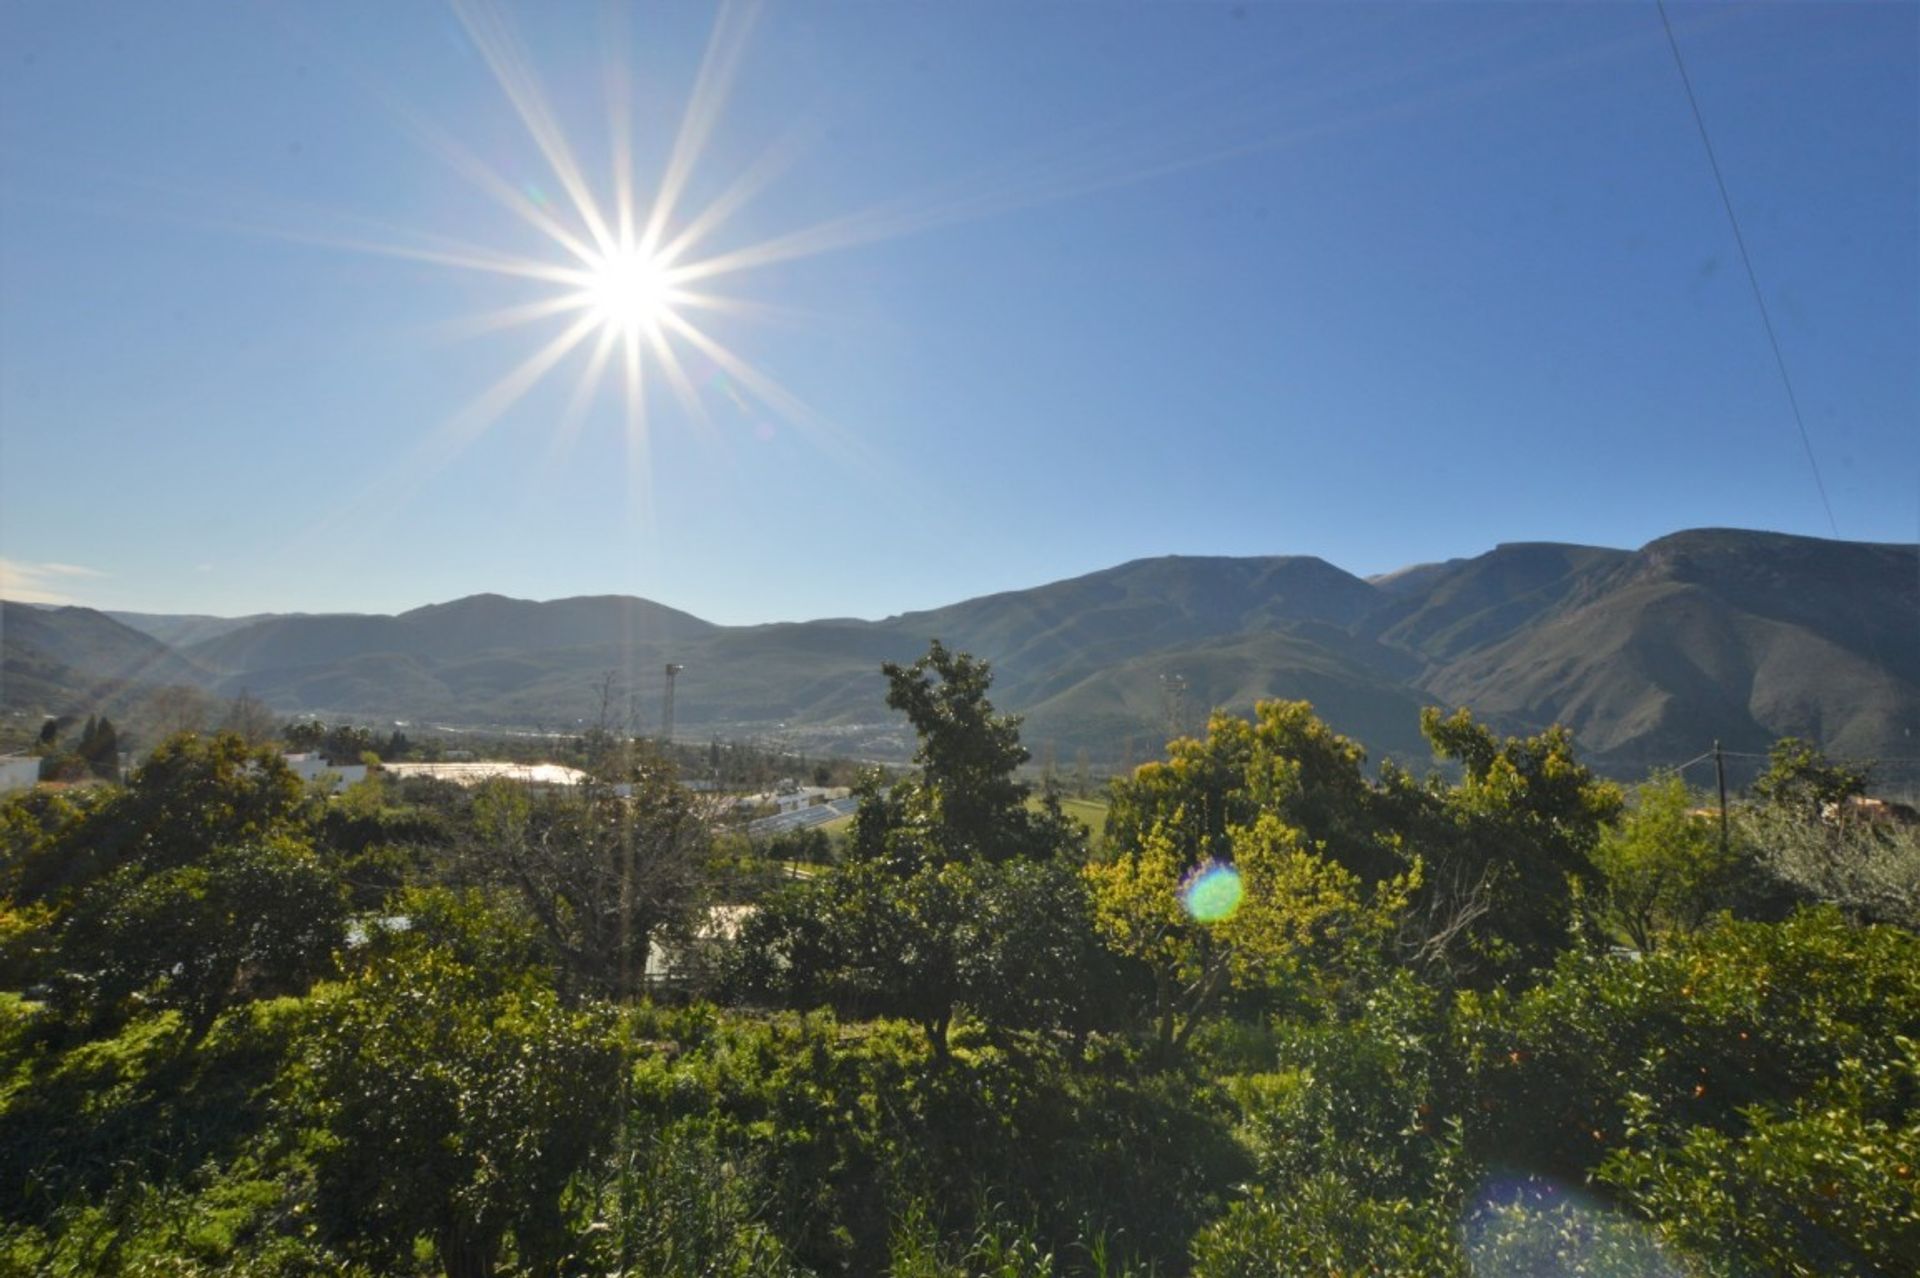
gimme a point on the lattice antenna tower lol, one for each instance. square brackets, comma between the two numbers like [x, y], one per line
[666, 708]
[1173, 691]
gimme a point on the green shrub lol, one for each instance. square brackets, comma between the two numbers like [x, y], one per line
[452, 1103]
[1325, 1226]
[675, 1203]
[1822, 1186]
[1742, 1014]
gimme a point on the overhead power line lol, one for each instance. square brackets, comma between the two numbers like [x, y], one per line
[1697, 759]
[1753, 279]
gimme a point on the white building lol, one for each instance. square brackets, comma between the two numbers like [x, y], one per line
[534, 774]
[311, 767]
[18, 772]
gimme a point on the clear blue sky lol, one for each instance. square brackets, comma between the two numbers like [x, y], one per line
[1380, 284]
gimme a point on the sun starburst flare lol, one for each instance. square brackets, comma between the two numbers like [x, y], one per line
[618, 269]
[628, 291]
[633, 277]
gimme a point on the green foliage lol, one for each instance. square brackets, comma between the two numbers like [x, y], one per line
[1031, 957]
[1353, 1128]
[1802, 780]
[867, 942]
[1012, 942]
[192, 794]
[1495, 852]
[192, 887]
[943, 901]
[810, 847]
[1825, 1185]
[1284, 763]
[91, 1123]
[1281, 804]
[228, 1229]
[966, 804]
[1541, 1230]
[605, 869]
[1696, 1034]
[472, 1087]
[341, 743]
[378, 844]
[1372, 1100]
[1868, 869]
[1501, 848]
[246, 920]
[674, 1203]
[99, 748]
[998, 1247]
[1325, 1226]
[445, 1098]
[1296, 908]
[1664, 869]
[852, 1126]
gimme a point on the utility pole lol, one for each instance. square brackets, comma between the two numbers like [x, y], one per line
[666, 710]
[1720, 778]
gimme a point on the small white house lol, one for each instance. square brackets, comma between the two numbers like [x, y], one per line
[18, 772]
[311, 767]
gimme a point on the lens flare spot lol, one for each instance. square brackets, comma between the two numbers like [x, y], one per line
[1212, 892]
[1533, 1224]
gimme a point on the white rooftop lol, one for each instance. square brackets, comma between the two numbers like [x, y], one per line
[475, 773]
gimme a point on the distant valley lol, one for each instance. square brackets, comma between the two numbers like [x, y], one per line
[1648, 654]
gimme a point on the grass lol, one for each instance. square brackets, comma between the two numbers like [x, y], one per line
[1089, 812]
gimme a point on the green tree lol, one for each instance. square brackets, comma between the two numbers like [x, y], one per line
[966, 802]
[605, 869]
[1824, 1184]
[908, 926]
[99, 748]
[303, 735]
[1247, 921]
[346, 743]
[1608, 1051]
[192, 794]
[242, 921]
[1802, 780]
[1284, 761]
[1662, 866]
[1502, 847]
[451, 1096]
[191, 887]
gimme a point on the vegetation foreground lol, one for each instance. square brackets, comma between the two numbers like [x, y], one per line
[1288, 1018]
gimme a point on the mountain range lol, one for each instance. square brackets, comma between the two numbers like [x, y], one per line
[1647, 655]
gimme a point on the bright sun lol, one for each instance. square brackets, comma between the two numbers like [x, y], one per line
[630, 291]
[632, 275]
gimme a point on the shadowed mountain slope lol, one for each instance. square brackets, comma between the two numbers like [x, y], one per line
[1647, 655]
[1470, 603]
[1736, 635]
[177, 630]
[450, 631]
[77, 660]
